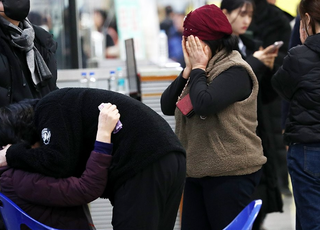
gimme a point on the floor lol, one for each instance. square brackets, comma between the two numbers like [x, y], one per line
[101, 211]
[282, 221]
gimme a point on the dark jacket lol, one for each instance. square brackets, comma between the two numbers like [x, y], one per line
[15, 81]
[298, 82]
[71, 116]
[266, 93]
[294, 41]
[57, 202]
[269, 130]
[270, 24]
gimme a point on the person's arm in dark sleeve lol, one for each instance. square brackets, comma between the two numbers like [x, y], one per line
[70, 191]
[264, 75]
[170, 96]
[59, 156]
[285, 107]
[230, 86]
[44, 159]
[257, 66]
[282, 81]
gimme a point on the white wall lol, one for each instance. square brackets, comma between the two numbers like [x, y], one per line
[138, 20]
[180, 5]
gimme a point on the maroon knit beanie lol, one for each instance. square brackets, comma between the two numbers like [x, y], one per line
[207, 23]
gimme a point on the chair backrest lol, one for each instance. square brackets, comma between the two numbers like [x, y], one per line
[245, 219]
[13, 216]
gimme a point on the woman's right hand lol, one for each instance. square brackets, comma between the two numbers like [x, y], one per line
[108, 118]
[3, 152]
[188, 68]
[266, 56]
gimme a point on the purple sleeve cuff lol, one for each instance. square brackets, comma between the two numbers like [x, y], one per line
[102, 147]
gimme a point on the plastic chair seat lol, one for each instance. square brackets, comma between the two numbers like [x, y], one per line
[245, 219]
[14, 217]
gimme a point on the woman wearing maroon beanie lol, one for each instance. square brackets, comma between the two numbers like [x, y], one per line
[224, 154]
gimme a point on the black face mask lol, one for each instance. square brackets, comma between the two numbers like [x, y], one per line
[16, 9]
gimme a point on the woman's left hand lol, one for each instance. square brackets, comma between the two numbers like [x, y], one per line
[198, 52]
[188, 68]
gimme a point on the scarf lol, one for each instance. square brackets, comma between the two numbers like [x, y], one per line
[24, 40]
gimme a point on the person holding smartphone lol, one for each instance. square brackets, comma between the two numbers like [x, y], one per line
[261, 60]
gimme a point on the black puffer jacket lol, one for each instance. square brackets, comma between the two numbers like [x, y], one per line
[298, 81]
[15, 78]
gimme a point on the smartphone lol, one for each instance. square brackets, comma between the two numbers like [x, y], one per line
[276, 45]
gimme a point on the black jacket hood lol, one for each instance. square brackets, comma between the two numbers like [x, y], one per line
[312, 44]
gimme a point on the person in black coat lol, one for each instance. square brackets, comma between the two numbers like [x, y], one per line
[262, 61]
[298, 82]
[28, 66]
[270, 24]
[148, 162]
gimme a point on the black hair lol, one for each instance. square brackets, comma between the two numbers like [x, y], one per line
[102, 13]
[168, 10]
[312, 7]
[231, 5]
[229, 42]
[17, 123]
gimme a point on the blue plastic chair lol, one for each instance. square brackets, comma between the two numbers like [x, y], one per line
[245, 219]
[13, 216]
